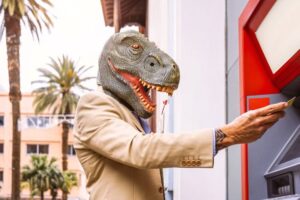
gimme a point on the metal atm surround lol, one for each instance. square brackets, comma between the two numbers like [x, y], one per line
[283, 175]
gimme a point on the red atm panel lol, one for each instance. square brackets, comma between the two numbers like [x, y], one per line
[270, 72]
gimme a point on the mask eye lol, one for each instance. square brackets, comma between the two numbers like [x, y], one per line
[135, 46]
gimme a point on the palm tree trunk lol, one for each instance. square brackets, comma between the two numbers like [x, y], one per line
[13, 33]
[54, 194]
[65, 138]
[65, 135]
[42, 195]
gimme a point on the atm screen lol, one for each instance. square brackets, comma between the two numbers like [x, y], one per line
[278, 34]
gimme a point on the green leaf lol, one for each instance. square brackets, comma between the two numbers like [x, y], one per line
[21, 7]
[5, 3]
[47, 2]
[11, 7]
[34, 14]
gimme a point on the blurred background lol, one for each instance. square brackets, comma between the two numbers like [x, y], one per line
[201, 36]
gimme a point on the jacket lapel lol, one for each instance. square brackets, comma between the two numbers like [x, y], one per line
[133, 120]
[136, 122]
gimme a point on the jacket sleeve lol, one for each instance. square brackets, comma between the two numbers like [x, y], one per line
[100, 128]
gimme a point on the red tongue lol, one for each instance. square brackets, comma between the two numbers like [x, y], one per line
[135, 82]
[130, 78]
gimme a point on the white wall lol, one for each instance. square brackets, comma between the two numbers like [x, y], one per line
[193, 32]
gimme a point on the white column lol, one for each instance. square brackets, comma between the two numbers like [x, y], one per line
[193, 32]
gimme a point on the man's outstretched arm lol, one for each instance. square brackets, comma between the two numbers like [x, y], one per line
[100, 129]
[250, 126]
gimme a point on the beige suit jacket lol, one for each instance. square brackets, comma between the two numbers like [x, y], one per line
[120, 161]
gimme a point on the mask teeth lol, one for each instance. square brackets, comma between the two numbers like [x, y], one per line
[148, 106]
[166, 89]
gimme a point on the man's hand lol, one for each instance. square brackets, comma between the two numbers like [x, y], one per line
[251, 125]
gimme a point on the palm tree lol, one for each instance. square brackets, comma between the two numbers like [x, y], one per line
[34, 14]
[56, 181]
[70, 180]
[57, 91]
[44, 175]
[41, 175]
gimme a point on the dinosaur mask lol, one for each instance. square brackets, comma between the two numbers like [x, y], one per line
[131, 66]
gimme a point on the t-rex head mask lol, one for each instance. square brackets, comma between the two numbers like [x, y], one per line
[130, 66]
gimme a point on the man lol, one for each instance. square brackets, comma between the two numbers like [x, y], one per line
[120, 156]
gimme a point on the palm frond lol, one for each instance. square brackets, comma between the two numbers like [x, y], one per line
[31, 25]
[57, 85]
[39, 82]
[83, 69]
[55, 66]
[44, 102]
[33, 13]
[5, 3]
[87, 78]
[48, 74]
[82, 87]
[21, 7]
[11, 7]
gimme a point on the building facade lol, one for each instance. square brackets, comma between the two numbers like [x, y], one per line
[40, 135]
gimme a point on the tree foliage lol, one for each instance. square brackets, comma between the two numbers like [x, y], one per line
[57, 91]
[43, 175]
[59, 84]
[33, 13]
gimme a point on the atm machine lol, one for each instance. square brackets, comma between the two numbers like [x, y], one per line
[269, 39]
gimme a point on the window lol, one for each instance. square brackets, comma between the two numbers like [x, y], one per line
[37, 148]
[40, 121]
[1, 176]
[43, 149]
[31, 148]
[1, 120]
[1, 147]
[71, 150]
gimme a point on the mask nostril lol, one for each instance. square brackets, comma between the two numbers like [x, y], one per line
[152, 64]
[174, 66]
